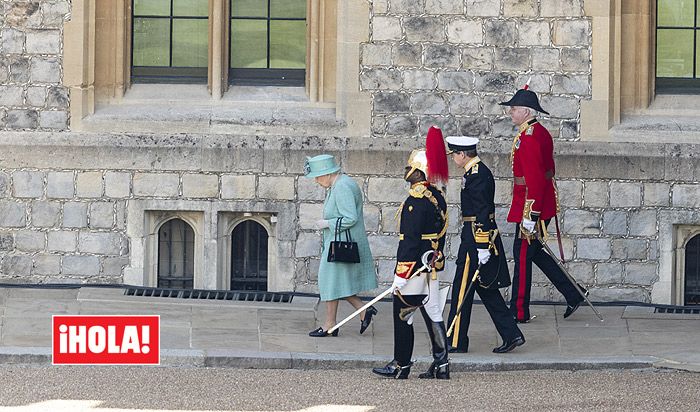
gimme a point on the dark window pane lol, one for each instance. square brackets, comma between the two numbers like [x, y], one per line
[190, 43]
[249, 43]
[674, 53]
[151, 42]
[287, 44]
[692, 271]
[288, 8]
[175, 255]
[151, 7]
[191, 8]
[249, 257]
[676, 13]
[249, 8]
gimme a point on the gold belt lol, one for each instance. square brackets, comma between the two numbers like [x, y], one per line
[427, 236]
[473, 218]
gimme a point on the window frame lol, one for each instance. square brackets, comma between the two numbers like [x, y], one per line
[246, 243]
[677, 85]
[170, 73]
[97, 57]
[265, 76]
[184, 279]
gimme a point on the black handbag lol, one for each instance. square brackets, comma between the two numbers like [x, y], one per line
[343, 251]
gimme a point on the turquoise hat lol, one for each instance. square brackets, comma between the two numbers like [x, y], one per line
[320, 165]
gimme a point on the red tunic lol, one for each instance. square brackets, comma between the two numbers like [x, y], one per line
[533, 171]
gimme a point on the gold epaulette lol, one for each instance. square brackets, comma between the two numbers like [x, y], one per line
[419, 191]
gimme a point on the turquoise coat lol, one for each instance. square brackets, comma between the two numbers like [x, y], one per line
[338, 280]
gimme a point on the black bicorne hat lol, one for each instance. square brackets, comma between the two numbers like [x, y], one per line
[526, 98]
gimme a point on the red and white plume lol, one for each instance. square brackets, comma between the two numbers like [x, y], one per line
[527, 85]
[438, 172]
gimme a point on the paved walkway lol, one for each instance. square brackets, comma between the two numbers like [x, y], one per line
[274, 335]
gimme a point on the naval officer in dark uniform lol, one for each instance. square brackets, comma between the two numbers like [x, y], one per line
[480, 248]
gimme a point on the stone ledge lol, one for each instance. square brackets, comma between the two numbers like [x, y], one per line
[286, 153]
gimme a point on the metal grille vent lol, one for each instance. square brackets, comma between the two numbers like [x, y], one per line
[690, 311]
[253, 296]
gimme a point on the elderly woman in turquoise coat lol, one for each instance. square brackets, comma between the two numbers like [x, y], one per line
[338, 280]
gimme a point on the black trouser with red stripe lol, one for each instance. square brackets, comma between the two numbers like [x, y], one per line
[491, 298]
[525, 253]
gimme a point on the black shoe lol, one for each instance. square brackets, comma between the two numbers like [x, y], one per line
[570, 309]
[394, 370]
[510, 345]
[371, 311]
[525, 320]
[450, 349]
[436, 371]
[319, 333]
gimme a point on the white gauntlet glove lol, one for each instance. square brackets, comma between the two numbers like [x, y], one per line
[528, 224]
[322, 224]
[399, 282]
[484, 255]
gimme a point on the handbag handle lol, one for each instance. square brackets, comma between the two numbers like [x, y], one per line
[348, 237]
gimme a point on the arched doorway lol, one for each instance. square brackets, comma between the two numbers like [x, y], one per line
[249, 256]
[176, 255]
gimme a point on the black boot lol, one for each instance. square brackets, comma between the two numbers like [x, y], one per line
[394, 370]
[440, 368]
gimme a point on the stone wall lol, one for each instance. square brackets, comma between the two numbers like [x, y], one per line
[67, 201]
[31, 42]
[74, 207]
[449, 62]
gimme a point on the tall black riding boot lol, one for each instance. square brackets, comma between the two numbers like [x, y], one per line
[440, 368]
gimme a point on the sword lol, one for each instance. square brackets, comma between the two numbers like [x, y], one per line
[459, 308]
[426, 266]
[568, 275]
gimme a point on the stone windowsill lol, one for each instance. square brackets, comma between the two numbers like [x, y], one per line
[669, 119]
[172, 108]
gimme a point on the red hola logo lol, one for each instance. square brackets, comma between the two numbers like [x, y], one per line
[106, 340]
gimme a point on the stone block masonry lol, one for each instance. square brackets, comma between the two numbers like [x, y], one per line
[64, 220]
[447, 62]
[76, 207]
[32, 96]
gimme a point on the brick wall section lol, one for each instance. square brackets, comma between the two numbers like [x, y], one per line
[31, 48]
[63, 220]
[449, 62]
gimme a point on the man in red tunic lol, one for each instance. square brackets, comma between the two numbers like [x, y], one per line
[534, 204]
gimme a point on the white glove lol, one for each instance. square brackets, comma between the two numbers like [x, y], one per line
[484, 255]
[528, 224]
[399, 282]
[322, 224]
[410, 318]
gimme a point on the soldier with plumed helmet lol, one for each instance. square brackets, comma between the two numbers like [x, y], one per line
[422, 229]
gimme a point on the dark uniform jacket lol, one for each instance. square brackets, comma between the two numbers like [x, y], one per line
[422, 228]
[480, 230]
